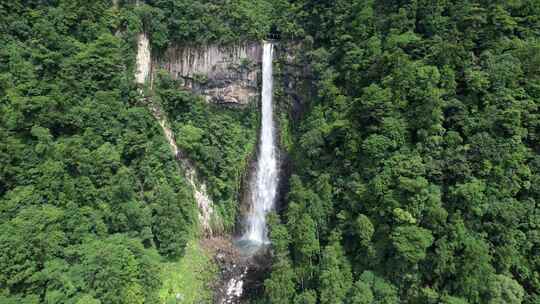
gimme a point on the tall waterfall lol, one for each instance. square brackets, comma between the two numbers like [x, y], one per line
[264, 186]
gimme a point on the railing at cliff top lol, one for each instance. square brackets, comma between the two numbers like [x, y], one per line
[273, 36]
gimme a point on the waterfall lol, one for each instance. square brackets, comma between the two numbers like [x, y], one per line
[263, 190]
[264, 185]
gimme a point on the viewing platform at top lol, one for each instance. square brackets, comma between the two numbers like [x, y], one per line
[273, 36]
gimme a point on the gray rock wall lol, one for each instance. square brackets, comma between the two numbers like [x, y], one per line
[223, 75]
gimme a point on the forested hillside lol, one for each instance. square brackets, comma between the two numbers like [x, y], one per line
[90, 195]
[223, 22]
[93, 206]
[416, 169]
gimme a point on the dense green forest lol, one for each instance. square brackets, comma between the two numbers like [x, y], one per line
[191, 22]
[414, 165]
[416, 168]
[90, 195]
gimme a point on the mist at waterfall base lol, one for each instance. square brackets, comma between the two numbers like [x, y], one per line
[265, 182]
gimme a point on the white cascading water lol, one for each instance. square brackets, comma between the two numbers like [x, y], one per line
[264, 187]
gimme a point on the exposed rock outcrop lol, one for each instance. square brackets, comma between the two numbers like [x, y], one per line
[228, 76]
[144, 59]
[223, 75]
[207, 217]
[241, 275]
[204, 203]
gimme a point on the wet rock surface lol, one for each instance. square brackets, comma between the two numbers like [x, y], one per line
[241, 274]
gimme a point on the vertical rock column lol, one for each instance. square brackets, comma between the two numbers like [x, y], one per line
[144, 60]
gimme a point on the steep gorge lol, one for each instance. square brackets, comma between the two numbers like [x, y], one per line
[408, 164]
[233, 77]
[226, 76]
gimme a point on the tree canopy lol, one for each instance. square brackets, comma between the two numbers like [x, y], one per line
[415, 161]
[414, 152]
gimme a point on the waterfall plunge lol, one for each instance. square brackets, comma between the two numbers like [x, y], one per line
[264, 187]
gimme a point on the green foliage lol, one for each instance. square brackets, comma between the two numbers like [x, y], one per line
[89, 191]
[411, 242]
[189, 276]
[171, 222]
[505, 290]
[361, 293]
[219, 141]
[220, 22]
[376, 288]
[415, 167]
[307, 297]
[418, 150]
[116, 269]
[279, 235]
[336, 278]
[280, 286]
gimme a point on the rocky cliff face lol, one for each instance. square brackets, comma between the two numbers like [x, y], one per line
[144, 62]
[223, 75]
[204, 203]
[228, 76]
